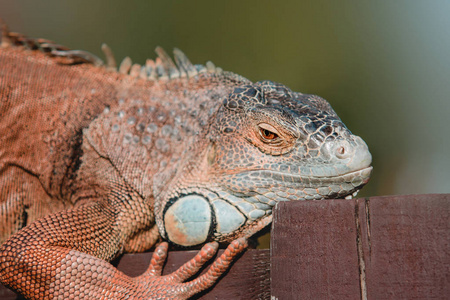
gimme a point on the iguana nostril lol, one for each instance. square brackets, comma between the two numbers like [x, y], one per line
[342, 150]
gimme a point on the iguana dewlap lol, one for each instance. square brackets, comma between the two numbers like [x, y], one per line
[96, 162]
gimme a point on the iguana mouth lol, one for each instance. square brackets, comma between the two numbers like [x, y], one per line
[299, 187]
[363, 171]
[293, 178]
[352, 195]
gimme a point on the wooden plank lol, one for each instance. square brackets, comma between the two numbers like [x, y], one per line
[248, 278]
[394, 247]
[406, 246]
[313, 251]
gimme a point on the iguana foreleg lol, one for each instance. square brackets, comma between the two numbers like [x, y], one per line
[59, 257]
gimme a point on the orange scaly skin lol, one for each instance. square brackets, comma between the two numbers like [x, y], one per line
[95, 163]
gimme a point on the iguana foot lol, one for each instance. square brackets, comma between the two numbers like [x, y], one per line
[173, 286]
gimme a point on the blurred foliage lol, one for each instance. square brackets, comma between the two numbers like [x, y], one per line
[383, 65]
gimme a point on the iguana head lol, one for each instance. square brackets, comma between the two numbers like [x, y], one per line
[265, 144]
[271, 140]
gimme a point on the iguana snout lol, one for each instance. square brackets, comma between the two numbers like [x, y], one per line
[344, 156]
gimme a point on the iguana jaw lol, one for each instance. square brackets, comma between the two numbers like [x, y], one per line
[222, 213]
[358, 178]
[290, 187]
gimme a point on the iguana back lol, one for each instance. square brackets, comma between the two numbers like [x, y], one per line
[44, 106]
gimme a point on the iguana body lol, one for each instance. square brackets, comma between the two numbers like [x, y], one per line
[94, 163]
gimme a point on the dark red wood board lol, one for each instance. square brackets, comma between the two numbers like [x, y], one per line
[394, 247]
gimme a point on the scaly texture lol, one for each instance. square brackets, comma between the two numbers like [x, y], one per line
[95, 162]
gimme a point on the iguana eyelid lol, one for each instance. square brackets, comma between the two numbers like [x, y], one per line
[269, 119]
[269, 128]
[282, 133]
[280, 144]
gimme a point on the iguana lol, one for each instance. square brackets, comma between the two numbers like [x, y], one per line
[95, 162]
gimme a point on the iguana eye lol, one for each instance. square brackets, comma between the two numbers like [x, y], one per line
[268, 135]
[268, 132]
[271, 139]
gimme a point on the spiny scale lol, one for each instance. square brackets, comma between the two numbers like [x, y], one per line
[110, 60]
[79, 54]
[125, 65]
[168, 65]
[184, 63]
[162, 68]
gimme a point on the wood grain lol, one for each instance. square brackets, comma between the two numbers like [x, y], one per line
[406, 244]
[313, 251]
[395, 247]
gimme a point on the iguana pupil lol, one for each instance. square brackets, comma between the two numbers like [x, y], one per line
[268, 134]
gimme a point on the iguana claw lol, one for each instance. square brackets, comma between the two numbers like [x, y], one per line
[172, 286]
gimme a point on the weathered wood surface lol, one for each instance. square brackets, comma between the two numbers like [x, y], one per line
[395, 247]
[248, 278]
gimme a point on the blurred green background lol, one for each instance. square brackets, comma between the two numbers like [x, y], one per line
[383, 65]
